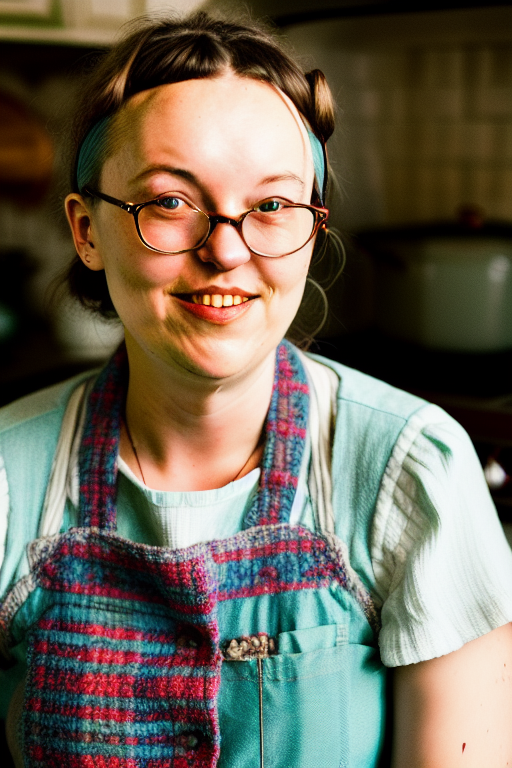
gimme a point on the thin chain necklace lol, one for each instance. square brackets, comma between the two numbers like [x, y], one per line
[140, 468]
[134, 449]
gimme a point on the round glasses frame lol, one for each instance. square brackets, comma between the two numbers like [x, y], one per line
[321, 215]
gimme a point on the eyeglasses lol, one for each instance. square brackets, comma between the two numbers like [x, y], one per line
[273, 227]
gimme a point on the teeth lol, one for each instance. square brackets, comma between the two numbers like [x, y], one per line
[217, 300]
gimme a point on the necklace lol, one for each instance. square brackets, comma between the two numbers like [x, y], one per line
[134, 449]
[142, 473]
[246, 463]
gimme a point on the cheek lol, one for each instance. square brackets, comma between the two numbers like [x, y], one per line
[290, 274]
[129, 265]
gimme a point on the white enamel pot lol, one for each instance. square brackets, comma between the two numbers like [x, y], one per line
[444, 286]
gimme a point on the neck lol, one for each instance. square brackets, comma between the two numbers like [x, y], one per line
[191, 432]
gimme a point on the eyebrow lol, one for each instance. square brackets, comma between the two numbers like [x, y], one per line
[287, 176]
[189, 176]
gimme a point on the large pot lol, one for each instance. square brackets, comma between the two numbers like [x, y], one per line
[444, 286]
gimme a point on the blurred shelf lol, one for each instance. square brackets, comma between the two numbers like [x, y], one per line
[286, 14]
[79, 22]
[57, 36]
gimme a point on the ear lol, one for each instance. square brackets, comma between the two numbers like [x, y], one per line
[80, 221]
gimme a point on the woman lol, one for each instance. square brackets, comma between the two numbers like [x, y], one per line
[215, 548]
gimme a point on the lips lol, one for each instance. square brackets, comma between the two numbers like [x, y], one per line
[218, 306]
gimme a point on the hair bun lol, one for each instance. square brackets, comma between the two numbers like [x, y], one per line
[322, 103]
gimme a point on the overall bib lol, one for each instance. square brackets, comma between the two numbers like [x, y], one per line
[259, 649]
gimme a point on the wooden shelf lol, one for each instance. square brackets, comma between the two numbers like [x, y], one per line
[58, 36]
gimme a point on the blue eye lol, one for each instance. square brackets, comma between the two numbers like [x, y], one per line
[269, 206]
[169, 203]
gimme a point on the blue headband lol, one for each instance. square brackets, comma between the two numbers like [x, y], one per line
[319, 161]
[94, 143]
[90, 151]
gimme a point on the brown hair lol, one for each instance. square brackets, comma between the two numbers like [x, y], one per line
[170, 51]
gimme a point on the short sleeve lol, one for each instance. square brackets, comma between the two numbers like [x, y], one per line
[4, 509]
[442, 564]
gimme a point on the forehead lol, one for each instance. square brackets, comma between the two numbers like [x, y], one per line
[227, 124]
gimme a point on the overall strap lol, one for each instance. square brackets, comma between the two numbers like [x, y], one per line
[286, 428]
[100, 445]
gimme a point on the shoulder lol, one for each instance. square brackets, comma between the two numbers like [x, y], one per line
[369, 418]
[411, 501]
[442, 565]
[379, 429]
[29, 434]
[43, 407]
[361, 391]
[436, 433]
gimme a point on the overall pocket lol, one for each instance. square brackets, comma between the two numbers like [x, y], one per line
[322, 704]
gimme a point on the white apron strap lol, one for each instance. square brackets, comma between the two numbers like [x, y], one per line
[324, 384]
[63, 480]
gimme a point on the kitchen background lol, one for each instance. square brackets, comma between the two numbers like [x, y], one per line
[424, 137]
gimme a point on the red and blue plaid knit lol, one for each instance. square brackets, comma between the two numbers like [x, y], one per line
[285, 427]
[100, 444]
[124, 663]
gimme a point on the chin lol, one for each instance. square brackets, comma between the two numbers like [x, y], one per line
[225, 360]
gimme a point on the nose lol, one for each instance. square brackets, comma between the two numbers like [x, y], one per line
[225, 247]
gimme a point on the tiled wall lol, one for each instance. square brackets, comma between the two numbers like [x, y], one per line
[441, 121]
[425, 122]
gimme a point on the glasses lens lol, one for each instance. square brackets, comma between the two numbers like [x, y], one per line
[171, 225]
[275, 229]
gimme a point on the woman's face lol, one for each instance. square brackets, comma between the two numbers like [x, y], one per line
[222, 144]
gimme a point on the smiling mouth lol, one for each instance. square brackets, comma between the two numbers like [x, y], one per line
[216, 300]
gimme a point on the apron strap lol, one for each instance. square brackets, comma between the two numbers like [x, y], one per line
[63, 470]
[286, 429]
[100, 445]
[324, 385]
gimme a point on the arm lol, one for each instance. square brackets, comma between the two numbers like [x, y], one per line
[462, 698]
